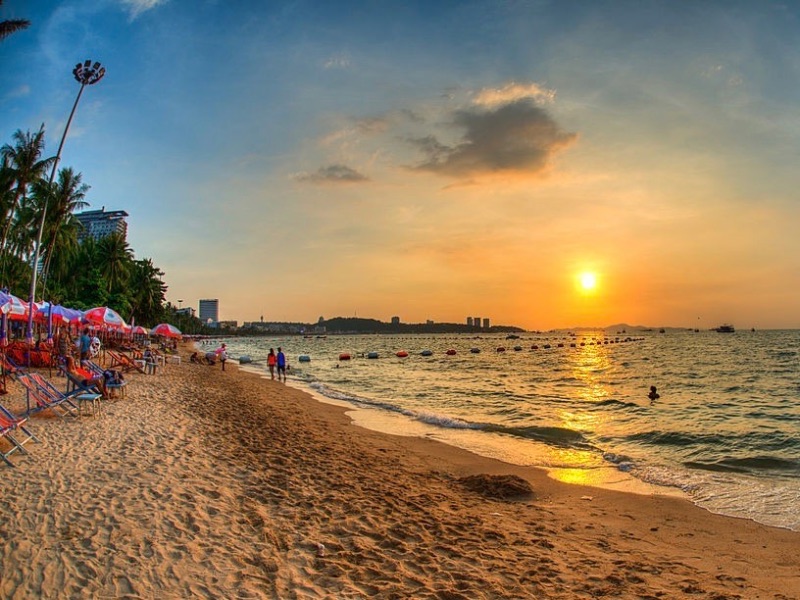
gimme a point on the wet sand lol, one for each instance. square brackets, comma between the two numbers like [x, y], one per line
[209, 484]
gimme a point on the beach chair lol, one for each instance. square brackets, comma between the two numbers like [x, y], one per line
[45, 398]
[80, 393]
[124, 362]
[111, 384]
[9, 426]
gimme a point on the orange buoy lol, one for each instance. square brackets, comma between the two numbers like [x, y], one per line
[402, 354]
[344, 356]
[450, 352]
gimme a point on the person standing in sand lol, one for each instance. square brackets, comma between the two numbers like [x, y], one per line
[222, 354]
[281, 362]
[271, 362]
[85, 345]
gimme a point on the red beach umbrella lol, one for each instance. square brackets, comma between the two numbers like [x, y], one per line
[166, 330]
[104, 316]
[16, 309]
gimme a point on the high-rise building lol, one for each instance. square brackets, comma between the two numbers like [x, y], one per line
[469, 321]
[209, 310]
[98, 224]
[476, 321]
[486, 324]
[395, 320]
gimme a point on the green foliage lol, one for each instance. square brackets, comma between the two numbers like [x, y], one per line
[79, 275]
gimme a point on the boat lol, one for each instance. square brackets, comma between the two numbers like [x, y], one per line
[726, 328]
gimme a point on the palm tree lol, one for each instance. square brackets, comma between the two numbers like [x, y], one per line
[114, 260]
[148, 291]
[63, 199]
[11, 25]
[25, 160]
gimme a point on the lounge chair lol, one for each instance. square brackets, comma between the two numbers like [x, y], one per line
[81, 393]
[111, 384]
[9, 426]
[124, 362]
[47, 397]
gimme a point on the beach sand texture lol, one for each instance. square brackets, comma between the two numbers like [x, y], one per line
[210, 484]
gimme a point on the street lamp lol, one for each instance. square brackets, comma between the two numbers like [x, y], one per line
[85, 73]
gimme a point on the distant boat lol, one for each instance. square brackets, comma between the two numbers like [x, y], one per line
[726, 328]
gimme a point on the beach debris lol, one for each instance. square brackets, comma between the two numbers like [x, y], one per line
[320, 549]
[587, 497]
[245, 359]
[497, 486]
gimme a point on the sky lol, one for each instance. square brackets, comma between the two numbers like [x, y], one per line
[542, 164]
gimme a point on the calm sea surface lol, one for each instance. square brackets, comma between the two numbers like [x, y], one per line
[725, 431]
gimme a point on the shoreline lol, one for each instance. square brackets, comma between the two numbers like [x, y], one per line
[215, 484]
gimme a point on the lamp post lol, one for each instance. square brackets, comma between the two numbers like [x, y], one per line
[85, 73]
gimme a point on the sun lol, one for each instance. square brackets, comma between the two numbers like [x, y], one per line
[588, 281]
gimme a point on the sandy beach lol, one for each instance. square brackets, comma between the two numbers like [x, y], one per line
[209, 484]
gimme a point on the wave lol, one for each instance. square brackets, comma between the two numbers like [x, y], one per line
[752, 464]
[554, 436]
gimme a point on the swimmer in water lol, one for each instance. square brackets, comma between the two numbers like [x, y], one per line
[653, 395]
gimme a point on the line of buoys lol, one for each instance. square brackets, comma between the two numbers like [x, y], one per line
[476, 350]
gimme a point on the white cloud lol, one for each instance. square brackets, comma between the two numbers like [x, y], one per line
[512, 92]
[137, 7]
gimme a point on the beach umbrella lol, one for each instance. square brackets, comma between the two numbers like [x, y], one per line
[103, 316]
[17, 309]
[139, 330]
[166, 330]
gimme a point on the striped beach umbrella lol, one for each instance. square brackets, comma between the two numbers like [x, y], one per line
[104, 317]
[166, 330]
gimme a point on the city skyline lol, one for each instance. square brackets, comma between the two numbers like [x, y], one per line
[552, 165]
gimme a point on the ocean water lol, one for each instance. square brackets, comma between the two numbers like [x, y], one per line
[725, 432]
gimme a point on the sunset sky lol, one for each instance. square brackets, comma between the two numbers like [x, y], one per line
[436, 160]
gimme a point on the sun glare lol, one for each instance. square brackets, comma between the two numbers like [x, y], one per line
[588, 281]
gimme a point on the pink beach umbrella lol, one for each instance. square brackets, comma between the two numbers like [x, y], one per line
[166, 330]
[139, 330]
[103, 316]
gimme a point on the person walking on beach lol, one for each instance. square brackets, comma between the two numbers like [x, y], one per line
[272, 360]
[281, 362]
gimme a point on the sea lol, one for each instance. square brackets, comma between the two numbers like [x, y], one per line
[723, 433]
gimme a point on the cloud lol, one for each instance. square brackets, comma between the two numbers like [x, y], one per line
[512, 92]
[332, 174]
[137, 7]
[518, 136]
[19, 91]
[337, 62]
